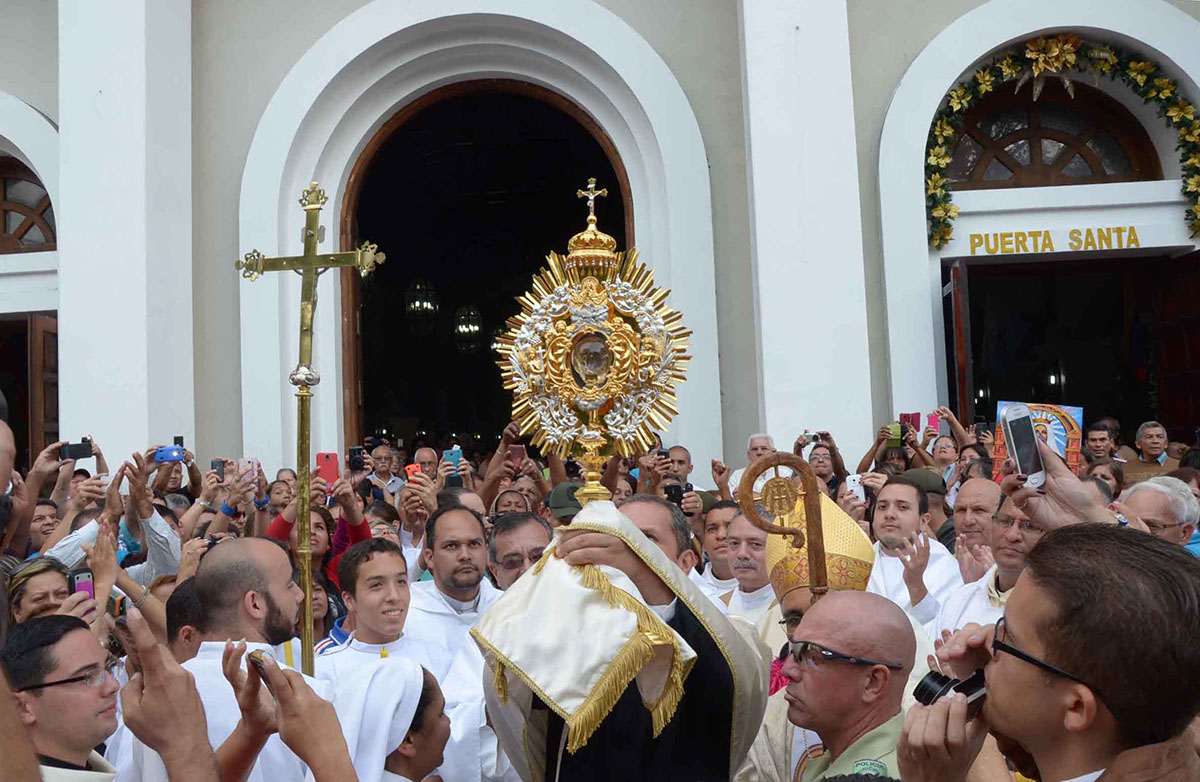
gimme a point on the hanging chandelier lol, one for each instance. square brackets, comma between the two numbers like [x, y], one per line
[468, 328]
[421, 306]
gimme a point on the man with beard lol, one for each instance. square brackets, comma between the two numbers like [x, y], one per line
[245, 586]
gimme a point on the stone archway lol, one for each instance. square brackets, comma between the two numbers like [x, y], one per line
[387, 55]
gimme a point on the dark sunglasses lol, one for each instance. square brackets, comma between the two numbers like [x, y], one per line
[812, 653]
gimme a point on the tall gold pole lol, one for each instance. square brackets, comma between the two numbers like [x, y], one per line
[303, 480]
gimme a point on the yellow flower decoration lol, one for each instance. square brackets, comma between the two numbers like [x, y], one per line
[936, 185]
[959, 98]
[1052, 54]
[1192, 184]
[1162, 89]
[945, 212]
[1139, 71]
[1009, 69]
[943, 130]
[1195, 210]
[941, 235]
[1190, 133]
[1181, 111]
[1192, 162]
[1103, 58]
[1068, 44]
[984, 78]
[938, 157]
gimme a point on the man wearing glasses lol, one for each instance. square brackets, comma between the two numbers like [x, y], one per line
[1010, 536]
[65, 694]
[516, 544]
[1091, 670]
[847, 666]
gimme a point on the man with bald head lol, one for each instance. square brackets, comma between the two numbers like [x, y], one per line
[1012, 537]
[246, 590]
[977, 502]
[847, 666]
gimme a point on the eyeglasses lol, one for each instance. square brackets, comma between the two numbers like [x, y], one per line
[809, 654]
[1000, 646]
[820, 457]
[94, 678]
[790, 623]
[517, 561]
[1158, 526]
[1025, 527]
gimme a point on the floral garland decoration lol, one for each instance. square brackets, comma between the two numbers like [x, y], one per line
[1061, 55]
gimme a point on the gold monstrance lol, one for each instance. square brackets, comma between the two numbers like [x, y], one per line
[594, 356]
[309, 266]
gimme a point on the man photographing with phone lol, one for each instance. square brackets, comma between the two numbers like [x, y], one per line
[1086, 698]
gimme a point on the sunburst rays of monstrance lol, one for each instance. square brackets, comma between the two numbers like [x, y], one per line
[594, 355]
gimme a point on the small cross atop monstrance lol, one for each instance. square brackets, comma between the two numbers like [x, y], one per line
[309, 266]
[594, 356]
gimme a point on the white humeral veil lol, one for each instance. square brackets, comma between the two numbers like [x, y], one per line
[577, 636]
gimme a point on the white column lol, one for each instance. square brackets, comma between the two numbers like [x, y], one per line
[806, 235]
[124, 219]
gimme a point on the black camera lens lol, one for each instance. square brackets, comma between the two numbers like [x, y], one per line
[933, 686]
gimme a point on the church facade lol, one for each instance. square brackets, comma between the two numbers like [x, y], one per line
[772, 157]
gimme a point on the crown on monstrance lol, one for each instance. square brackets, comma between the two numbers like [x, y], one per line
[594, 355]
[591, 252]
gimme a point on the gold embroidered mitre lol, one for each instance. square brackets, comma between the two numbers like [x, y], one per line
[849, 554]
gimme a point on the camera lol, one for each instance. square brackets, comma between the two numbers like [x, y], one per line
[674, 494]
[356, 458]
[79, 450]
[934, 685]
[168, 453]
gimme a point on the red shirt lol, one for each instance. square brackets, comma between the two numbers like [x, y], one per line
[281, 529]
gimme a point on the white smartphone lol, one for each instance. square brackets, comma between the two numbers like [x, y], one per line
[854, 484]
[1022, 442]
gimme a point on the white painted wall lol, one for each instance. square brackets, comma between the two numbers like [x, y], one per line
[124, 221]
[29, 53]
[383, 56]
[811, 311]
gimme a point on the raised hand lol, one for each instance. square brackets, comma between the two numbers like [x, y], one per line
[86, 492]
[254, 701]
[46, 464]
[720, 473]
[1061, 501]
[138, 490]
[308, 724]
[210, 487]
[914, 555]
[938, 743]
[692, 504]
[189, 557]
[966, 650]
[510, 434]
[973, 561]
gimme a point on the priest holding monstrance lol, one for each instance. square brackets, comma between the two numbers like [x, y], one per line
[605, 661]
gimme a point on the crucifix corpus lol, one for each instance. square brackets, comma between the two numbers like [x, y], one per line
[309, 266]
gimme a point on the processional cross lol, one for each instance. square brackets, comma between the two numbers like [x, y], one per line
[309, 266]
[591, 194]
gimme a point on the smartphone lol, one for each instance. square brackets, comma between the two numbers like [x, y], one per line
[516, 455]
[663, 453]
[411, 470]
[179, 440]
[218, 466]
[933, 422]
[168, 453]
[894, 435]
[453, 456]
[1022, 443]
[257, 658]
[674, 493]
[245, 466]
[76, 451]
[356, 458]
[80, 580]
[327, 467]
[854, 484]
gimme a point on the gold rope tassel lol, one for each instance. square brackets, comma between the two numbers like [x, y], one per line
[625, 666]
[500, 682]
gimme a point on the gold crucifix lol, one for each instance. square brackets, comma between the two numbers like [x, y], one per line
[591, 194]
[309, 266]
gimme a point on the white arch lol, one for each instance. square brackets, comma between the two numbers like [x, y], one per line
[30, 280]
[387, 54]
[912, 276]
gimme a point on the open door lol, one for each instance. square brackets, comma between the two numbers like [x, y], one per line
[43, 383]
[959, 307]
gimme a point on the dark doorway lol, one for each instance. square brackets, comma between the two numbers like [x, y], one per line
[1116, 336]
[467, 193]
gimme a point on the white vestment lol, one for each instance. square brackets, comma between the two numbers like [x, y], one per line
[712, 586]
[980, 602]
[761, 609]
[433, 620]
[941, 578]
[376, 700]
[473, 753]
[275, 763]
[335, 661]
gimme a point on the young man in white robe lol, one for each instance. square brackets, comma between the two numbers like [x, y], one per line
[982, 602]
[444, 609]
[374, 579]
[754, 600]
[912, 570]
[246, 588]
[717, 577]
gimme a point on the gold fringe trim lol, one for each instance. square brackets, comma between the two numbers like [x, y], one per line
[626, 665]
[500, 682]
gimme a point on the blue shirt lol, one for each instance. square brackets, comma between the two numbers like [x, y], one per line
[337, 636]
[1193, 545]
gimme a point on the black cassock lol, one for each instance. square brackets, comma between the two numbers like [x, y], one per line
[694, 745]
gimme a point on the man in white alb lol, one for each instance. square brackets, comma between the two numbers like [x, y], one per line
[717, 577]
[912, 570]
[754, 599]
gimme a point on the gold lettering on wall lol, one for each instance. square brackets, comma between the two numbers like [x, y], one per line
[1115, 237]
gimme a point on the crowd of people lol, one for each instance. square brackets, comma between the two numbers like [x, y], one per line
[150, 626]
